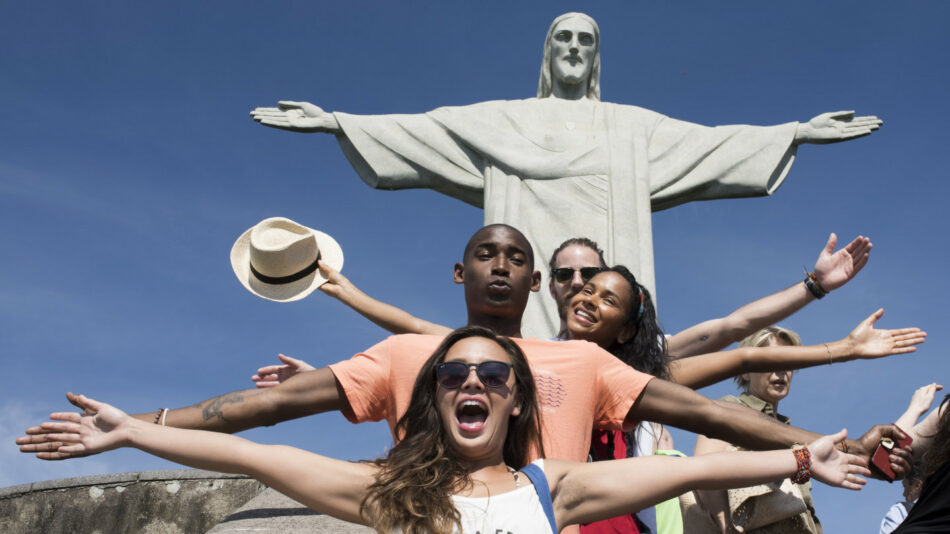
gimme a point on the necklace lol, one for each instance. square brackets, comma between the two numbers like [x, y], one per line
[514, 473]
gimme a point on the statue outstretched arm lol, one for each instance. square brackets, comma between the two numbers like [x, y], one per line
[297, 117]
[835, 127]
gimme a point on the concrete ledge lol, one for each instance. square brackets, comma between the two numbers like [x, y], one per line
[273, 513]
[176, 501]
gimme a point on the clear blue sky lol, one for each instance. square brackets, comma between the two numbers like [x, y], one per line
[129, 165]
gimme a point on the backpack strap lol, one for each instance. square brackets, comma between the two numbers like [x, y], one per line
[536, 475]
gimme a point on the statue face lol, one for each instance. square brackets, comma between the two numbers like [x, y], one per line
[572, 51]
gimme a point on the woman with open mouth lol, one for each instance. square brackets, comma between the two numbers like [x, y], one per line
[465, 461]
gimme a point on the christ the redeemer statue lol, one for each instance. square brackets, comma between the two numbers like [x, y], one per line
[565, 164]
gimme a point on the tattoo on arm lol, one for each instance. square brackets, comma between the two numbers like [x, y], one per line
[212, 409]
[704, 337]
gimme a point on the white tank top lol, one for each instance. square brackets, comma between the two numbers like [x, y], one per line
[514, 512]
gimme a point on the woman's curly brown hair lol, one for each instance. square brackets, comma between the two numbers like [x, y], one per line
[415, 481]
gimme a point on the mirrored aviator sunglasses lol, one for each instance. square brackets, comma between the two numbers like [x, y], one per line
[451, 375]
[564, 274]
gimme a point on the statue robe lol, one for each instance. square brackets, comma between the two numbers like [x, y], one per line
[557, 169]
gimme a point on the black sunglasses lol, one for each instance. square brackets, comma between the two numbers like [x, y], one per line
[564, 274]
[451, 375]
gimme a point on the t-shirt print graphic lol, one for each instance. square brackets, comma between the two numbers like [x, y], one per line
[551, 393]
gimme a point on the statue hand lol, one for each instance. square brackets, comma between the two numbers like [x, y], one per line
[297, 117]
[835, 127]
[834, 269]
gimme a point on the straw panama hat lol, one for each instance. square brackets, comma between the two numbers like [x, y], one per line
[276, 259]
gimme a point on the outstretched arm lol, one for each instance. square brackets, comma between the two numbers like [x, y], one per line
[305, 394]
[272, 375]
[715, 502]
[924, 432]
[588, 492]
[833, 270]
[835, 127]
[329, 486]
[671, 404]
[396, 320]
[864, 342]
[919, 404]
[391, 318]
[297, 117]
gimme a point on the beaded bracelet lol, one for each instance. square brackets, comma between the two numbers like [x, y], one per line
[803, 457]
[160, 416]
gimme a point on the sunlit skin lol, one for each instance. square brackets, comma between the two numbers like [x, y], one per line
[598, 312]
[480, 442]
[572, 52]
[498, 276]
[770, 387]
[572, 257]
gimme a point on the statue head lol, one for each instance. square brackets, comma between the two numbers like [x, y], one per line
[550, 74]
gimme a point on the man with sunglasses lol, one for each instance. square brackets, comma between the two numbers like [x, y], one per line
[580, 386]
[572, 264]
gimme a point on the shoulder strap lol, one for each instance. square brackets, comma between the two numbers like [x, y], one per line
[536, 475]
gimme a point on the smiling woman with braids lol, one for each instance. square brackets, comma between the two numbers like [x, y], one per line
[467, 439]
[616, 312]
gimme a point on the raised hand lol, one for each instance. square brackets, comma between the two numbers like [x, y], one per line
[922, 398]
[271, 375]
[337, 285]
[835, 468]
[835, 127]
[834, 269]
[867, 342]
[99, 428]
[296, 117]
[37, 440]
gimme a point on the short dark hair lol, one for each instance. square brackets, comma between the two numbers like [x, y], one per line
[529, 250]
[580, 241]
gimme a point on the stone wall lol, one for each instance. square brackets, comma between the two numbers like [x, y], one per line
[153, 502]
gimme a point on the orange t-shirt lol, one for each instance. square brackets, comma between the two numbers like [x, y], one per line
[580, 386]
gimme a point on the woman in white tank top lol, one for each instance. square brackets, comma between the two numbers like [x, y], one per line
[463, 463]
